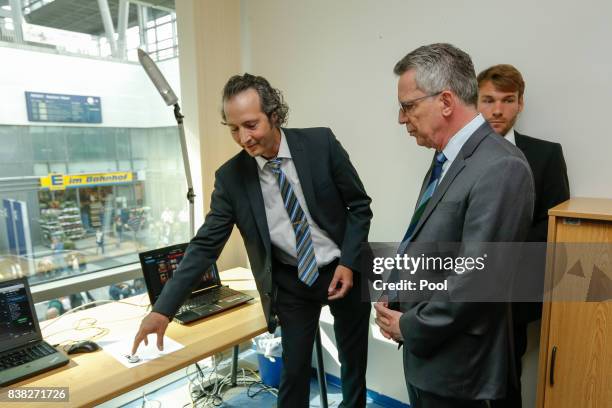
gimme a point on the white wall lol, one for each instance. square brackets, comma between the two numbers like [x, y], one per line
[334, 61]
[128, 96]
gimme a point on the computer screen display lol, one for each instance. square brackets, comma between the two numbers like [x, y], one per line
[159, 266]
[16, 320]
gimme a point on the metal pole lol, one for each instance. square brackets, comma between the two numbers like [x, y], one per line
[320, 369]
[17, 16]
[235, 366]
[122, 23]
[142, 26]
[190, 193]
[108, 25]
[170, 98]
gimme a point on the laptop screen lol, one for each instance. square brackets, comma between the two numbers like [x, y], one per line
[18, 325]
[159, 265]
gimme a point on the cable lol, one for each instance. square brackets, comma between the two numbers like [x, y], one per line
[264, 387]
[146, 402]
[83, 324]
[93, 302]
[246, 380]
[103, 331]
[198, 392]
[207, 388]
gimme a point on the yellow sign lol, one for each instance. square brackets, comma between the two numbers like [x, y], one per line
[58, 181]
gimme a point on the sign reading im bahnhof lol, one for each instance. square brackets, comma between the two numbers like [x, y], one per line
[58, 181]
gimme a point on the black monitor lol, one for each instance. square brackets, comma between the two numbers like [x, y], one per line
[159, 265]
[18, 322]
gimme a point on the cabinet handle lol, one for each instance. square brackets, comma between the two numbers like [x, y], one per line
[553, 358]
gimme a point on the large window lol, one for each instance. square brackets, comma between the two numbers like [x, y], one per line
[77, 27]
[121, 192]
[91, 170]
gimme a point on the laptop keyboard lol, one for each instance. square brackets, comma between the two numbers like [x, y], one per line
[25, 355]
[209, 297]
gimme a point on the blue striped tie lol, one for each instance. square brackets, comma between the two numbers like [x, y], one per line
[306, 261]
[434, 179]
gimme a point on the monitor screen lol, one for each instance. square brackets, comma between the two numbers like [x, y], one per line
[16, 320]
[159, 265]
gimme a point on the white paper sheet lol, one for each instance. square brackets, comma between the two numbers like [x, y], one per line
[121, 349]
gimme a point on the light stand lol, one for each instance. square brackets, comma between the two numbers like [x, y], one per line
[170, 98]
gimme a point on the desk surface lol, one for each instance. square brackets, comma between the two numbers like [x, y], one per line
[581, 207]
[97, 377]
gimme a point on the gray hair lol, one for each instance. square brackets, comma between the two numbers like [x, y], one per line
[442, 66]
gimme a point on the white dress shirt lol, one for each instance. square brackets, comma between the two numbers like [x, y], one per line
[281, 232]
[510, 136]
[456, 142]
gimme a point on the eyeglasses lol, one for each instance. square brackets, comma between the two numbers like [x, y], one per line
[408, 106]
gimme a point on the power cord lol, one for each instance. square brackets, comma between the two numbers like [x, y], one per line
[93, 302]
[213, 394]
[149, 403]
[207, 388]
[87, 323]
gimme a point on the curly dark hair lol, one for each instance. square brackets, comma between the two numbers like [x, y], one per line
[271, 99]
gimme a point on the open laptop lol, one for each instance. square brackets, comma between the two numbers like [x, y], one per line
[208, 297]
[23, 352]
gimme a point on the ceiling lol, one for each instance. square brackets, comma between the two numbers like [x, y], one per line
[83, 16]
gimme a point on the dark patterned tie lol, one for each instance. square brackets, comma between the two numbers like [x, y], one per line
[434, 179]
[306, 261]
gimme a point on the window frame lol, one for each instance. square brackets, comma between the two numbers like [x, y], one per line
[45, 291]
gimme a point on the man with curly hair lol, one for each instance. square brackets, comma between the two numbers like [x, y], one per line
[303, 213]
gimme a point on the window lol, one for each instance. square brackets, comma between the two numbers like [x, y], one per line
[42, 27]
[100, 222]
[58, 306]
[91, 170]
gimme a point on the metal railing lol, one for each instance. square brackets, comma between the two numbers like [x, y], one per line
[6, 35]
[82, 283]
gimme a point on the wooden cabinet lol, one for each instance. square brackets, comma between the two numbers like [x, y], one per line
[575, 369]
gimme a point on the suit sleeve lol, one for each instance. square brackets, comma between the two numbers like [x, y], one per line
[555, 190]
[357, 204]
[499, 210]
[202, 252]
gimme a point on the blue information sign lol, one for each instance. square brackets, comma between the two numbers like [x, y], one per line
[46, 107]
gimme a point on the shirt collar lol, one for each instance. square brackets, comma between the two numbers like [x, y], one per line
[283, 152]
[458, 140]
[510, 136]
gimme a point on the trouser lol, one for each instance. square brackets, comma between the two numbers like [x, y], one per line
[299, 307]
[424, 399]
[513, 397]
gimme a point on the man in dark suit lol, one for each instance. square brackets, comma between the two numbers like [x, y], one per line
[501, 90]
[303, 213]
[456, 354]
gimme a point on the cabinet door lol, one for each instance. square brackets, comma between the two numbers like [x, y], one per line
[580, 335]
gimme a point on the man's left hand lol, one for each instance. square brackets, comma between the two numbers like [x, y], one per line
[388, 321]
[341, 283]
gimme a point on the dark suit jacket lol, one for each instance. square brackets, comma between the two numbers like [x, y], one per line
[461, 349]
[551, 182]
[334, 194]
[551, 188]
